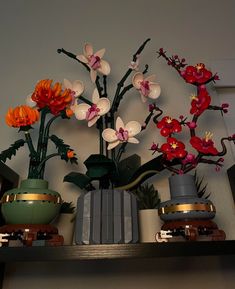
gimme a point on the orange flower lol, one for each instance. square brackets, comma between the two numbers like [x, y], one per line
[69, 112]
[53, 97]
[22, 116]
[70, 154]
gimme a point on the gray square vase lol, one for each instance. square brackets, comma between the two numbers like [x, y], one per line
[106, 217]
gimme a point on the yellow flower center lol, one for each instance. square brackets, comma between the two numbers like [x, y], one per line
[199, 66]
[169, 120]
[174, 145]
[193, 97]
[208, 136]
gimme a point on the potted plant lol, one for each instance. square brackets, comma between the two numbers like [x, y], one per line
[148, 203]
[107, 167]
[33, 202]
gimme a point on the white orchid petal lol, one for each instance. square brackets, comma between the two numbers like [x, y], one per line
[100, 53]
[155, 90]
[150, 78]
[95, 96]
[143, 98]
[93, 121]
[132, 140]
[88, 50]
[78, 87]
[109, 135]
[136, 79]
[119, 123]
[80, 110]
[82, 58]
[30, 102]
[67, 84]
[104, 67]
[133, 128]
[113, 145]
[104, 105]
[93, 75]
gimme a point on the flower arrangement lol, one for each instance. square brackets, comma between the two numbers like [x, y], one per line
[175, 150]
[46, 104]
[114, 135]
[174, 156]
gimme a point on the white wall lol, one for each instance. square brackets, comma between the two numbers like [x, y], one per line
[200, 31]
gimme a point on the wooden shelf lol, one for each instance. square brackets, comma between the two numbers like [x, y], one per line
[116, 251]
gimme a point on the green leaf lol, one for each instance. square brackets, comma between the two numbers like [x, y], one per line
[78, 179]
[8, 153]
[147, 197]
[99, 166]
[62, 149]
[127, 167]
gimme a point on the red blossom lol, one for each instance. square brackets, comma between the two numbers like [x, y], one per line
[169, 126]
[197, 74]
[204, 145]
[53, 97]
[173, 149]
[200, 102]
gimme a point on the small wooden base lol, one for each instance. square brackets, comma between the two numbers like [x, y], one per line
[193, 230]
[30, 233]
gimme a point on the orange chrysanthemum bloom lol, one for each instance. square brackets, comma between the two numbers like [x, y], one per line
[53, 97]
[22, 116]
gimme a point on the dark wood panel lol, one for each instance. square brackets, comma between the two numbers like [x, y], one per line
[122, 251]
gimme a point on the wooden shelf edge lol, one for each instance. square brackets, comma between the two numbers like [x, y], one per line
[116, 251]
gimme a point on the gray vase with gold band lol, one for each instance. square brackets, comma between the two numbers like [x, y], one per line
[185, 203]
[31, 203]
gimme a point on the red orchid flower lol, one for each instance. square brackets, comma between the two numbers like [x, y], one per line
[200, 102]
[197, 74]
[204, 145]
[173, 149]
[169, 126]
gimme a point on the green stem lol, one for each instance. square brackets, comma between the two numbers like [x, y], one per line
[32, 156]
[122, 81]
[44, 112]
[42, 163]
[29, 142]
[85, 100]
[100, 127]
[45, 142]
[121, 151]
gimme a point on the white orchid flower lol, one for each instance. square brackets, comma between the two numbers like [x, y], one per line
[94, 61]
[123, 133]
[146, 86]
[92, 112]
[77, 87]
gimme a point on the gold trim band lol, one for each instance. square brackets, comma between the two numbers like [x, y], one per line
[182, 208]
[31, 197]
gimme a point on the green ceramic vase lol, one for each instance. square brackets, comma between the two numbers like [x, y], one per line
[31, 203]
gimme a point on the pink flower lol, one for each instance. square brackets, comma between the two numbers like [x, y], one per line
[146, 86]
[94, 61]
[191, 124]
[189, 159]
